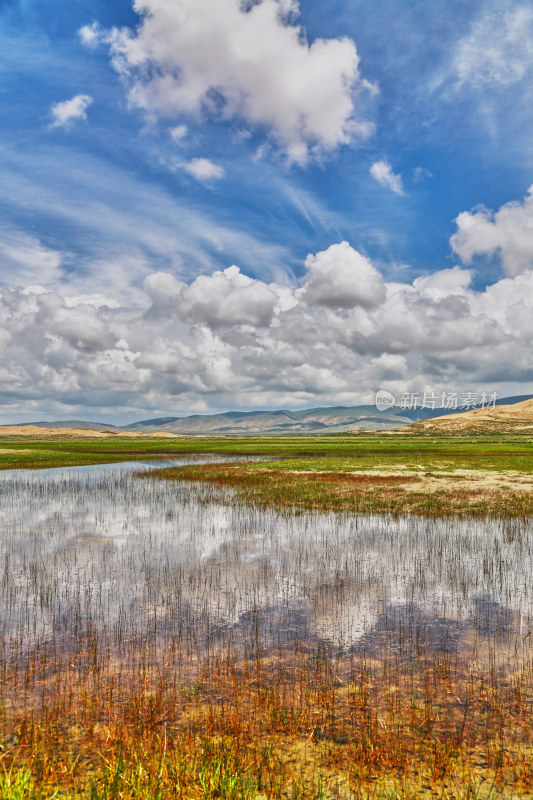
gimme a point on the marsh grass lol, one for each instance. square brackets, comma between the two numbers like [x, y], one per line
[163, 640]
[307, 485]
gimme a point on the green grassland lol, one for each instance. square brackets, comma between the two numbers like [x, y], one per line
[426, 490]
[362, 473]
[343, 452]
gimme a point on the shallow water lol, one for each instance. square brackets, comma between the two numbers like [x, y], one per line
[100, 550]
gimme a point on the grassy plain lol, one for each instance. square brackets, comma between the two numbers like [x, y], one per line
[496, 484]
[366, 473]
[367, 449]
[129, 722]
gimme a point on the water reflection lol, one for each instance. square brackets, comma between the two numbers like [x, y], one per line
[103, 552]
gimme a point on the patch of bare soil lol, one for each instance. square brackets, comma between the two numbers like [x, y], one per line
[419, 479]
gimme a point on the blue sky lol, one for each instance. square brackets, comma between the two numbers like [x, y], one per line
[115, 167]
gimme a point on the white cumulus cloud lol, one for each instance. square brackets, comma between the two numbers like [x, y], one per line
[507, 232]
[67, 111]
[246, 60]
[225, 298]
[340, 277]
[226, 339]
[382, 172]
[444, 283]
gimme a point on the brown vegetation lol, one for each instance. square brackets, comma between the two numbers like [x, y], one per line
[135, 722]
[456, 493]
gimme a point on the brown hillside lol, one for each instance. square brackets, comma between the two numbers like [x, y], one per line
[517, 418]
[35, 432]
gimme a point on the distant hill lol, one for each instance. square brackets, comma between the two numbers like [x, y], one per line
[314, 420]
[77, 424]
[49, 431]
[504, 418]
[336, 419]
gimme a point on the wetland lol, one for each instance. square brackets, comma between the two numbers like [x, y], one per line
[165, 635]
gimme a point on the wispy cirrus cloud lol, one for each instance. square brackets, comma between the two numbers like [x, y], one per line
[25, 260]
[498, 50]
[118, 237]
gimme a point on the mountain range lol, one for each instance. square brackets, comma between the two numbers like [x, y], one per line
[337, 419]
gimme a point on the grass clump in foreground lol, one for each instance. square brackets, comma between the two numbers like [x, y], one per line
[271, 729]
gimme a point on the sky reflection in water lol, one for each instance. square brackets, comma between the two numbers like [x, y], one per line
[101, 549]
